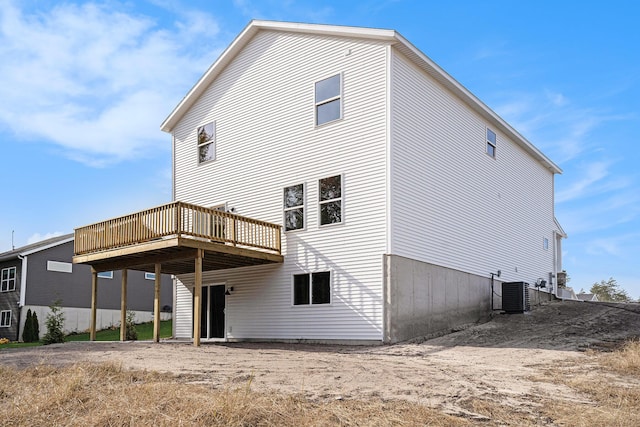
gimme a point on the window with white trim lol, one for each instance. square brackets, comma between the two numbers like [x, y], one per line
[491, 143]
[312, 288]
[5, 318]
[207, 142]
[8, 279]
[150, 276]
[105, 274]
[545, 244]
[330, 200]
[328, 99]
[293, 207]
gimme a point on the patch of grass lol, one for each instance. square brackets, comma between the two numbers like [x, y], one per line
[145, 332]
[105, 394]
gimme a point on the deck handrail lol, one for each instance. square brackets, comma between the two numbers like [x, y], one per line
[177, 219]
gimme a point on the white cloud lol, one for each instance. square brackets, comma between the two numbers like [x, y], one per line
[37, 237]
[593, 173]
[97, 81]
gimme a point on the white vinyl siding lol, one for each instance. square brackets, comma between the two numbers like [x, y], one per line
[280, 148]
[451, 204]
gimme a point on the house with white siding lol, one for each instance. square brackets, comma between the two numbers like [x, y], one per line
[334, 184]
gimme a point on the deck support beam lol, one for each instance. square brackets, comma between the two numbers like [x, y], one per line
[123, 306]
[94, 303]
[156, 304]
[197, 295]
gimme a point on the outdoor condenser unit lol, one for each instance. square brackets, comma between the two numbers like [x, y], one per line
[515, 297]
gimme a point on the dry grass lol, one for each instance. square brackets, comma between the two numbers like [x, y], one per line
[610, 387]
[107, 395]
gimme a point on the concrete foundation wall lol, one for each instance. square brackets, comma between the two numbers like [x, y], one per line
[79, 319]
[423, 299]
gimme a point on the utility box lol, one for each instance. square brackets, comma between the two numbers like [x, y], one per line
[515, 297]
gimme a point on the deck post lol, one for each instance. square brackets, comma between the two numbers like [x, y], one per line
[156, 305]
[197, 295]
[94, 302]
[123, 306]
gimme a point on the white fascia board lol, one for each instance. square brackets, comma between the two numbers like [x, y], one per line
[560, 230]
[50, 245]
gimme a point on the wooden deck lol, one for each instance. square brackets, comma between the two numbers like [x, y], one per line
[171, 235]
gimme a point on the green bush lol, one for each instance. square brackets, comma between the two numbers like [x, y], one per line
[27, 333]
[131, 331]
[55, 325]
[35, 327]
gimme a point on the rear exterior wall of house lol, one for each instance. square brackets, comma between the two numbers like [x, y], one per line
[265, 140]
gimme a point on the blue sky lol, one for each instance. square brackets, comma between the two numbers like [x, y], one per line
[84, 87]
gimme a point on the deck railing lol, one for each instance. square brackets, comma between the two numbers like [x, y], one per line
[177, 219]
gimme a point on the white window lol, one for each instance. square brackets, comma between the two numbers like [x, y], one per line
[545, 244]
[293, 207]
[5, 318]
[8, 279]
[330, 200]
[207, 142]
[491, 143]
[328, 99]
[106, 274]
[150, 276]
[61, 267]
[313, 288]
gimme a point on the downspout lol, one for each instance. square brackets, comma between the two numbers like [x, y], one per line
[23, 291]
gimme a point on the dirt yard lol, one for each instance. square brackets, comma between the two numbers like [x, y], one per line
[506, 359]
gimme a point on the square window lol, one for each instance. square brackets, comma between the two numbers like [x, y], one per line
[314, 288]
[328, 99]
[207, 142]
[491, 143]
[8, 279]
[330, 200]
[5, 318]
[293, 206]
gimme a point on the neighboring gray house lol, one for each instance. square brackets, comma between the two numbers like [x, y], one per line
[36, 275]
[587, 297]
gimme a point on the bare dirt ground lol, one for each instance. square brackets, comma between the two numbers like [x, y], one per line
[506, 358]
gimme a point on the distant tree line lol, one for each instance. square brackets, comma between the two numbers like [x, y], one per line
[610, 290]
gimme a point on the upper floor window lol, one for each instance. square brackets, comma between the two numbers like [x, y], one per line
[293, 206]
[207, 142]
[106, 274]
[330, 200]
[5, 318]
[8, 279]
[491, 143]
[328, 99]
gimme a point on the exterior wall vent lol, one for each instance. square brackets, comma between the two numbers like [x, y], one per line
[515, 297]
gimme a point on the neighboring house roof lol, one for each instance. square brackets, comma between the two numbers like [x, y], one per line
[391, 36]
[587, 297]
[36, 247]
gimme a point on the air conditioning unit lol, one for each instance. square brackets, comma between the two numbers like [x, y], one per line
[515, 297]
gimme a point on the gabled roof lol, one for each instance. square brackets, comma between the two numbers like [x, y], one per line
[36, 247]
[391, 36]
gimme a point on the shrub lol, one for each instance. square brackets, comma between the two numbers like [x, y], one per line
[35, 326]
[27, 333]
[131, 332]
[55, 324]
